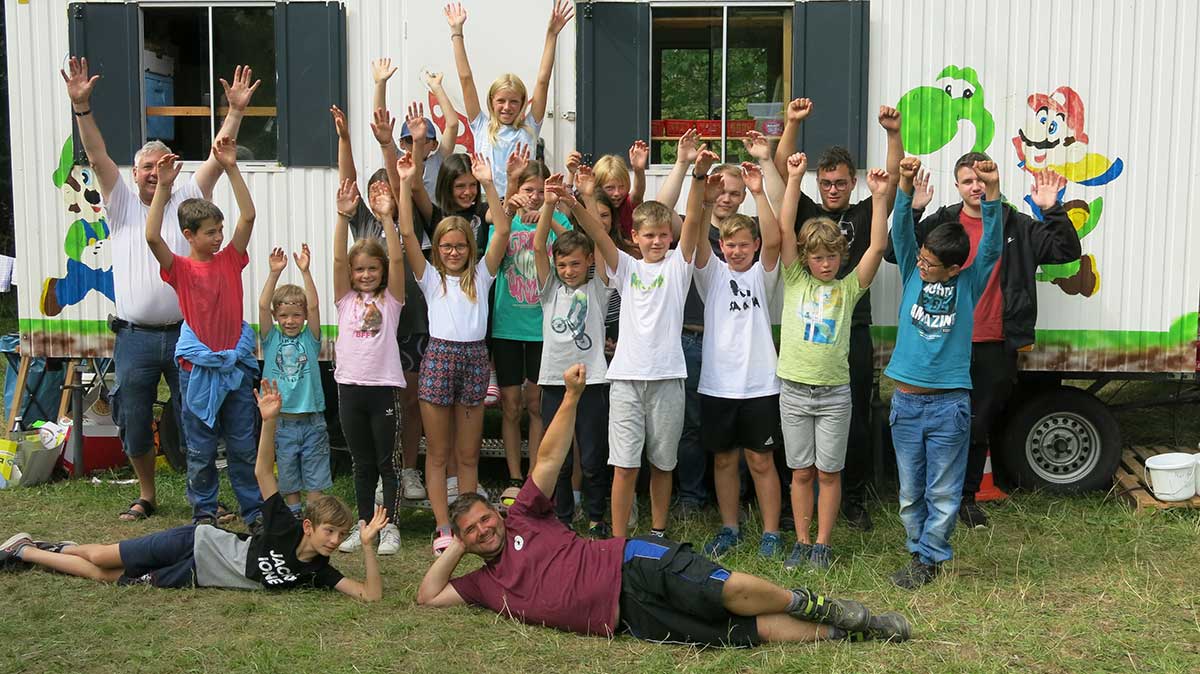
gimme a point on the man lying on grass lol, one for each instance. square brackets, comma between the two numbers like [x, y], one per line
[540, 572]
[288, 554]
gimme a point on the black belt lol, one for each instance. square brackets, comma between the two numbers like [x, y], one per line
[116, 324]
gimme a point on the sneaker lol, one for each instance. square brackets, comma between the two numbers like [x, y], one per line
[353, 542]
[55, 547]
[821, 557]
[492, 397]
[379, 492]
[846, 614]
[451, 490]
[441, 541]
[857, 516]
[483, 492]
[725, 540]
[389, 540]
[770, 545]
[970, 514]
[799, 557]
[10, 549]
[412, 488]
[599, 531]
[890, 626]
[916, 574]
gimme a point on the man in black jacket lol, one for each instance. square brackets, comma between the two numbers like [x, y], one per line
[1007, 311]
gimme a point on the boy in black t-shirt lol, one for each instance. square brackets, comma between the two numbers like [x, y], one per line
[286, 555]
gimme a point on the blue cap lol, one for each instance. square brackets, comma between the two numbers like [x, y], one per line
[429, 132]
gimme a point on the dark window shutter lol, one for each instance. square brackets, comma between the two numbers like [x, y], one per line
[110, 37]
[825, 34]
[310, 44]
[613, 88]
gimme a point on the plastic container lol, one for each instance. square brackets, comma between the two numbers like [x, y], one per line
[738, 128]
[710, 128]
[657, 128]
[677, 127]
[1197, 473]
[1172, 476]
[772, 110]
[772, 127]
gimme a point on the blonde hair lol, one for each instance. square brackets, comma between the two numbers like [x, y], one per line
[288, 293]
[611, 168]
[371, 247]
[651, 213]
[466, 279]
[731, 170]
[329, 510]
[736, 223]
[820, 233]
[505, 81]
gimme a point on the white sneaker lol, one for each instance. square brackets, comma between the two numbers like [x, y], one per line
[633, 515]
[353, 542]
[451, 490]
[389, 540]
[379, 492]
[482, 492]
[410, 484]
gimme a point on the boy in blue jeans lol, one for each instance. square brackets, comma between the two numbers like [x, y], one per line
[216, 347]
[290, 351]
[931, 364]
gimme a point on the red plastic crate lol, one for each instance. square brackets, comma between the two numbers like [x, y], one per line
[657, 127]
[677, 127]
[738, 128]
[709, 127]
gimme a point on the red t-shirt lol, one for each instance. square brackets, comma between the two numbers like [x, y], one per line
[546, 574]
[624, 218]
[989, 311]
[210, 295]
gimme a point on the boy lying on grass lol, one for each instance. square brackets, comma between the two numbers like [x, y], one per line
[288, 554]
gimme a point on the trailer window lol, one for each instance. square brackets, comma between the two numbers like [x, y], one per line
[185, 53]
[723, 71]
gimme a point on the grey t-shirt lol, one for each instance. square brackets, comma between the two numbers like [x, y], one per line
[573, 329]
[221, 559]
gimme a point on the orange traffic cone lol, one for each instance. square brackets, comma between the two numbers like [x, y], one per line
[988, 491]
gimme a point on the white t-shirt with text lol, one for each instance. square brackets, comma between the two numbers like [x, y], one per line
[739, 350]
[652, 296]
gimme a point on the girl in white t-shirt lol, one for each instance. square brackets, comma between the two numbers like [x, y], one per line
[454, 370]
[368, 284]
[505, 122]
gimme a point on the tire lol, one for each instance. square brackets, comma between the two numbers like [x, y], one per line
[1062, 440]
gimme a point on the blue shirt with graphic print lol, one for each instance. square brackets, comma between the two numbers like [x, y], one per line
[292, 363]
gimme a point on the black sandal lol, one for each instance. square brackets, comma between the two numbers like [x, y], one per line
[224, 514]
[132, 515]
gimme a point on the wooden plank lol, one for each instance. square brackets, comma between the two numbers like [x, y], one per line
[205, 111]
[64, 401]
[1143, 453]
[1130, 479]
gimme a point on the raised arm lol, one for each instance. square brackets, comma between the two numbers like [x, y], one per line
[303, 259]
[560, 16]
[639, 159]
[685, 153]
[405, 170]
[270, 403]
[889, 119]
[387, 207]
[796, 165]
[435, 589]
[456, 16]
[541, 236]
[592, 225]
[347, 202]
[759, 148]
[277, 262]
[346, 168]
[79, 90]
[586, 218]
[372, 588]
[381, 71]
[992, 241]
[768, 224]
[238, 95]
[1055, 240]
[450, 133]
[516, 163]
[880, 183]
[560, 432]
[481, 168]
[701, 199]
[168, 170]
[797, 111]
[225, 152]
[903, 233]
[694, 227]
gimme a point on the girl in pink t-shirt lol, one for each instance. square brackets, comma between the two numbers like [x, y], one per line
[368, 283]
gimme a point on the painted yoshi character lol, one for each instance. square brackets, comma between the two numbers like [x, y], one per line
[932, 114]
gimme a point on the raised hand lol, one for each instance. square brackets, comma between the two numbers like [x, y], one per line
[518, 160]
[239, 93]
[383, 125]
[432, 80]
[1046, 186]
[988, 172]
[922, 190]
[575, 378]
[339, 122]
[797, 164]
[456, 16]
[564, 11]
[224, 150]
[713, 186]
[382, 69]
[889, 119]
[269, 400]
[585, 181]
[416, 120]
[481, 168]
[573, 161]
[639, 155]
[909, 167]
[277, 260]
[303, 258]
[406, 167]
[79, 85]
[757, 145]
[688, 149]
[877, 181]
[705, 158]
[517, 203]
[168, 169]
[799, 109]
[370, 530]
[382, 203]
[753, 177]
[347, 196]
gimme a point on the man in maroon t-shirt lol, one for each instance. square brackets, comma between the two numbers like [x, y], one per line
[540, 572]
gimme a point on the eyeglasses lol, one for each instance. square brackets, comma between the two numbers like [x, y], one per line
[827, 185]
[453, 247]
[924, 263]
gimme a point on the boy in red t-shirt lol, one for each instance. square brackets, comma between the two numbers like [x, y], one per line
[209, 285]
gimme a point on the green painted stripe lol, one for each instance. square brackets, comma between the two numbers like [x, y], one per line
[56, 326]
[1183, 331]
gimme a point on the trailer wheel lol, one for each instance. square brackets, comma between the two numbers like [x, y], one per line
[1062, 439]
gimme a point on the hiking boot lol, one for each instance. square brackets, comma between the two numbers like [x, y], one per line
[353, 542]
[725, 540]
[857, 516]
[799, 557]
[846, 614]
[11, 549]
[599, 531]
[821, 557]
[389, 540]
[411, 486]
[970, 514]
[890, 626]
[916, 574]
[770, 545]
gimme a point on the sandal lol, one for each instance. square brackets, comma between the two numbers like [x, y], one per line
[224, 514]
[132, 515]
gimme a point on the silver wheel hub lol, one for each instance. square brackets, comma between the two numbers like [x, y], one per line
[1062, 447]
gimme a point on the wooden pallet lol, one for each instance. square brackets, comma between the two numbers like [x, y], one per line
[1130, 481]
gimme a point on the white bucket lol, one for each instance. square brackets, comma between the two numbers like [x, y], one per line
[1172, 476]
[1197, 473]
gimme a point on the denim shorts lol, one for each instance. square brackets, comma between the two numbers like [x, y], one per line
[141, 357]
[816, 425]
[162, 559]
[302, 453]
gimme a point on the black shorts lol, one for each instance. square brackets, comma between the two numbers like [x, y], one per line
[671, 594]
[412, 351]
[162, 559]
[516, 362]
[733, 423]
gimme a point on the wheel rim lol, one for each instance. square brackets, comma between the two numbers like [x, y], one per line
[1062, 447]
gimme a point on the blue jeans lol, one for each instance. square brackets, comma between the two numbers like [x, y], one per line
[931, 434]
[693, 460]
[140, 358]
[236, 422]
